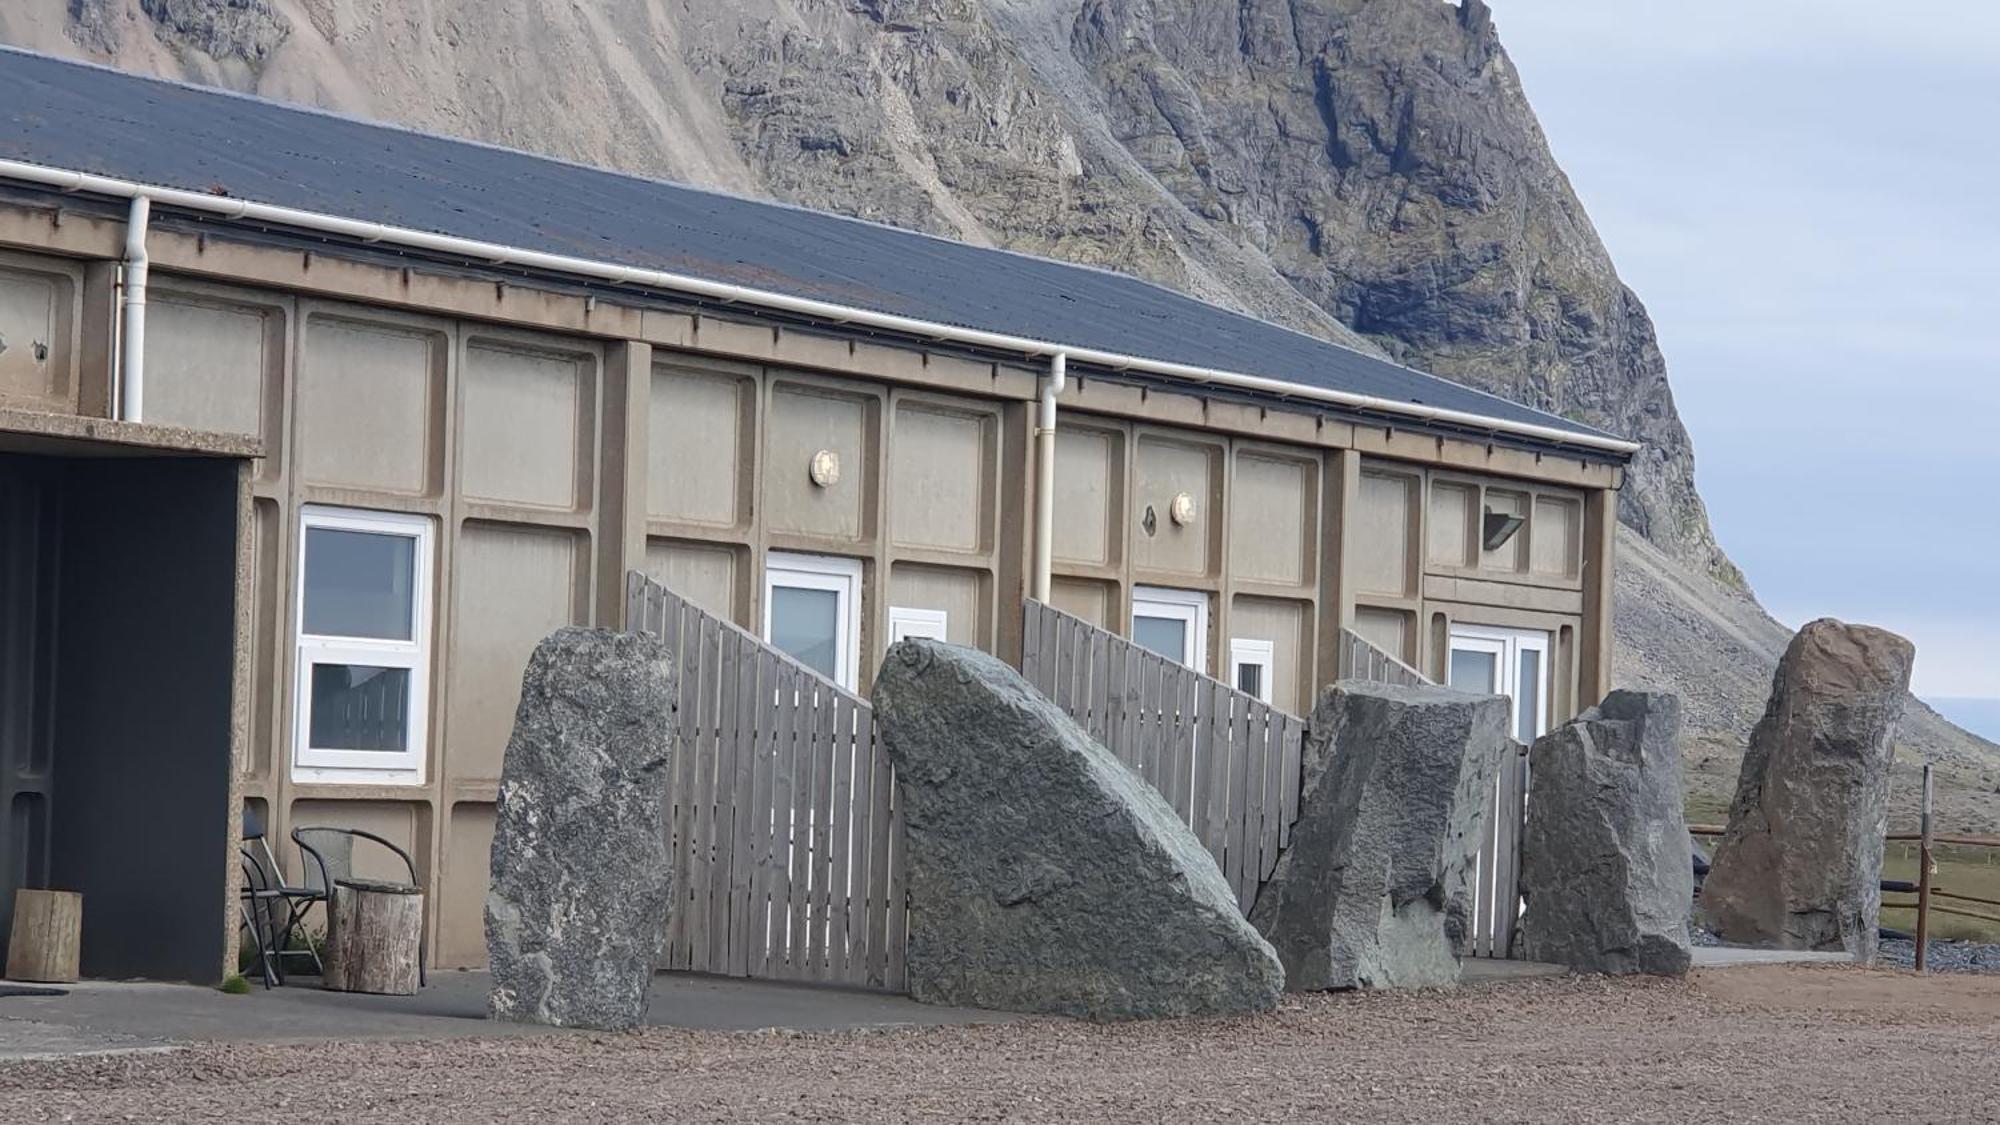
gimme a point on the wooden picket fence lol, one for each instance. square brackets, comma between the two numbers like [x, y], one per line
[1496, 901]
[1226, 761]
[785, 834]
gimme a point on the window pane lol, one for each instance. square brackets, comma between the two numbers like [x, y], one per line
[1250, 679]
[357, 707]
[805, 624]
[1475, 671]
[359, 584]
[1528, 696]
[1164, 635]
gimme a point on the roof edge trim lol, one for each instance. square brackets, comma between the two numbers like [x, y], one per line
[226, 207]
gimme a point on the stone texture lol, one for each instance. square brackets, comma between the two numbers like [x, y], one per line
[1605, 857]
[1801, 865]
[1375, 890]
[1044, 875]
[577, 909]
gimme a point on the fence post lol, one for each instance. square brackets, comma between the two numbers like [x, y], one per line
[1924, 876]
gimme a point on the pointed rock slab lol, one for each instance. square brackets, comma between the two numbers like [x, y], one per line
[1604, 858]
[1045, 876]
[1375, 890]
[577, 910]
[1801, 864]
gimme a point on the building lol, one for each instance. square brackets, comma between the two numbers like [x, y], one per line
[310, 428]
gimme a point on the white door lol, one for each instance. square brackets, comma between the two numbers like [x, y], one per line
[1513, 663]
[1173, 623]
[1509, 662]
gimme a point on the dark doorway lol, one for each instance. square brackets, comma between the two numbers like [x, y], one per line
[117, 663]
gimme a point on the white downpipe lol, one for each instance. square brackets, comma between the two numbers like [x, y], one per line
[132, 346]
[1053, 384]
[497, 254]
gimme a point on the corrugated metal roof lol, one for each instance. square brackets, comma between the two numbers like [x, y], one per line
[85, 118]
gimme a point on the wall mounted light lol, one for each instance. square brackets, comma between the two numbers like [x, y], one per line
[825, 468]
[1498, 527]
[1182, 511]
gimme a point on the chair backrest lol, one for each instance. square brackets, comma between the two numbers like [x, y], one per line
[327, 855]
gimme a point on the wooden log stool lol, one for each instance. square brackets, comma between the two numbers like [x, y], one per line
[47, 936]
[374, 937]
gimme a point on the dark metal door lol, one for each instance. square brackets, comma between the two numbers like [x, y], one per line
[28, 577]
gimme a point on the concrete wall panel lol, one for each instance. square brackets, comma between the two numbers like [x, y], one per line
[527, 417]
[1454, 508]
[1273, 519]
[1556, 537]
[209, 363]
[1163, 469]
[698, 463]
[1090, 492]
[962, 595]
[461, 937]
[1385, 526]
[512, 586]
[1287, 625]
[37, 310]
[707, 574]
[941, 478]
[368, 398]
[804, 421]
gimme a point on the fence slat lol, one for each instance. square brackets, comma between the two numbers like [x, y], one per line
[840, 940]
[769, 790]
[814, 839]
[792, 709]
[885, 824]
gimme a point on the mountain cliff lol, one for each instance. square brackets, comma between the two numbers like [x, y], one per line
[1366, 170]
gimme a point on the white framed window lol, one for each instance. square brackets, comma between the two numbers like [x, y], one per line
[1253, 664]
[1173, 623]
[908, 621]
[1509, 662]
[361, 700]
[812, 612]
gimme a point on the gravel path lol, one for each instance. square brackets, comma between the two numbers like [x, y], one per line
[1767, 1043]
[1944, 956]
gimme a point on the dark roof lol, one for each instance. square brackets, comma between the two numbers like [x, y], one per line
[85, 118]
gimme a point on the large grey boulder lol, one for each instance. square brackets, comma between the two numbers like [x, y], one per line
[577, 908]
[1045, 876]
[1375, 889]
[1801, 864]
[1605, 857]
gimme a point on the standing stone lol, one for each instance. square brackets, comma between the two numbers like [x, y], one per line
[1801, 864]
[1375, 890]
[577, 910]
[1044, 875]
[1604, 858]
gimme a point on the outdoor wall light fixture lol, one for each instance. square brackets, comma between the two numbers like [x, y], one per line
[825, 468]
[1182, 511]
[1498, 528]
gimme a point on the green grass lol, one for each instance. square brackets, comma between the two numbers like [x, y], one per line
[1970, 871]
[236, 985]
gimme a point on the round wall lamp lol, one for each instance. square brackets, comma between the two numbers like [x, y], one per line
[825, 468]
[1183, 510]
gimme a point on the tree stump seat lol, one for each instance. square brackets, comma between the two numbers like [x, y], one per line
[374, 937]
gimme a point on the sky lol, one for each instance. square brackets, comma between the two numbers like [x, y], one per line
[1804, 195]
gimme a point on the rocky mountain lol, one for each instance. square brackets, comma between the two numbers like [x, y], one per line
[1368, 170]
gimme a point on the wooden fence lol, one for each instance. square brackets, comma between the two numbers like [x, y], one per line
[1361, 660]
[1227, 762]
[785, 835]
[1496, 878]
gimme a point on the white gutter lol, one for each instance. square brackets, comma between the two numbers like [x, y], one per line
[1045, 474]
[497, 254]
[132, 344]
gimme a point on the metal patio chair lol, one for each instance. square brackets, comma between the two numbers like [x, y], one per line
[327, 856]
[270, 907]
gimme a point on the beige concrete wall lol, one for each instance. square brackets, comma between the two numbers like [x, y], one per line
[555, 441]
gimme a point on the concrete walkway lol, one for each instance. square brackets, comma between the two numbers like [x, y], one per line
[99, 1017]
[1726, 956]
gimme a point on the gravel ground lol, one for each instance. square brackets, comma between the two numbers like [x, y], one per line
[1781, 1043]
[1944, 956]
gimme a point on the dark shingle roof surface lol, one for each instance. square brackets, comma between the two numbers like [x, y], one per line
[89, 119]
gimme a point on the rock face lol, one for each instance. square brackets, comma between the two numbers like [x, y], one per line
[1801, 865]
[1605, 855]
[1375, 890]
[1044, 875]
[577, 909]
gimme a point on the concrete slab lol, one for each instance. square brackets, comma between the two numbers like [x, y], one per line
[1724, 956]
[97, 1017]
